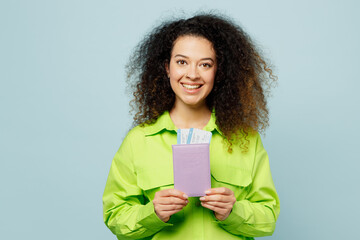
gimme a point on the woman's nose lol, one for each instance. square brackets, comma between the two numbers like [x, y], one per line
[192, 72]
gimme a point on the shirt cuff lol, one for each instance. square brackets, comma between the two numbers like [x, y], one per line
[150, 220]
[234, 217]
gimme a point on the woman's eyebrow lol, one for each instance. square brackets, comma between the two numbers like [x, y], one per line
[208, 58]
[180, 55]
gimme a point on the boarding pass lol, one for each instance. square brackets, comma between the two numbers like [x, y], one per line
[193, 136]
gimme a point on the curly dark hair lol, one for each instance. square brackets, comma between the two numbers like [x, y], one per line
[242, 80]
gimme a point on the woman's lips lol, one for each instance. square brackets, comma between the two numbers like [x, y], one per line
[191, 86]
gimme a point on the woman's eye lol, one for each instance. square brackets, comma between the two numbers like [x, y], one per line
[207, 65]
[181, 62]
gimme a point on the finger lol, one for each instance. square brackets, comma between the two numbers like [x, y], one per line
[222, 211]
[221, 190]
[218, 198]
[169, 207]
[165, 215]
[160, 205]
[169, 201]
[172, 200]
[169, 213]
[227, 205]
[173, 193]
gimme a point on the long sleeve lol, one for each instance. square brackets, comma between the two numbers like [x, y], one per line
[255, 216]
[127, 213]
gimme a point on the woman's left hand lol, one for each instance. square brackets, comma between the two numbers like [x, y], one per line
[220, 200]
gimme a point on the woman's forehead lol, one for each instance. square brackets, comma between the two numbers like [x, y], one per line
[193, 46]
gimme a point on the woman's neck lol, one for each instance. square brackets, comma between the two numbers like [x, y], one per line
[185, 117]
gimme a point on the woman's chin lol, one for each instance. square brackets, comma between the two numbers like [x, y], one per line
[193, 104]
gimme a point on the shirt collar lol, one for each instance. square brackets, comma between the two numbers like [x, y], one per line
[211, 125]
[164, 122]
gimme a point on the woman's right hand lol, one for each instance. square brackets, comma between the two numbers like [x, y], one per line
[168, 202]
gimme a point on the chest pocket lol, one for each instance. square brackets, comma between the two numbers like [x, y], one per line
[151, 180]
[237, 180]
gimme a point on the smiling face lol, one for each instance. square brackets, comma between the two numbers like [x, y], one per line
[192, 70]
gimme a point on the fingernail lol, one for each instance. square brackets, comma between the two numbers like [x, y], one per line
[185, 196]
[207, 191]
[202, 199]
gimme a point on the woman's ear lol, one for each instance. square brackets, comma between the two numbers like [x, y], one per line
[167, 68]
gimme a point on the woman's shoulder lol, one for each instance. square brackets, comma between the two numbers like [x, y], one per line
[248, 142]
[144, 129]
[154, 126]
[137, 131]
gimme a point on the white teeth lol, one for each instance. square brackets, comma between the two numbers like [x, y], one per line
[191, 86]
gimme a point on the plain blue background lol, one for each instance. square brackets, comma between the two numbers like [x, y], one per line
[64, 109]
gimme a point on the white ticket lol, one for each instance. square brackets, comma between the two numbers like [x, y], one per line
[200, 136]
[192, 136]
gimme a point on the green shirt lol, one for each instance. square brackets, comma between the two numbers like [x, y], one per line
[143, 165]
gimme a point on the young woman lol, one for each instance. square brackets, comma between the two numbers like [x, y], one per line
[203, 72]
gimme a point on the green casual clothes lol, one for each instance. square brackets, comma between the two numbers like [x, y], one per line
[143, 165]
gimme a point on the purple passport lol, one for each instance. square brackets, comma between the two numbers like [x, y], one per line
[192, 168]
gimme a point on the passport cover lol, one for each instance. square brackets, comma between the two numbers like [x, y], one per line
[192, 168]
